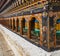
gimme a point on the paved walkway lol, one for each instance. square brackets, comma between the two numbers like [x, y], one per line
[5, 50]
[20, 46]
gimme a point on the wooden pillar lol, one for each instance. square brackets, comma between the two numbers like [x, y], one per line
[41, 34]
[21, 27]
[29, 29]
[48, 38]
[55, 32]
[12, 24]
[17, 25]
[9, 22]
[55, 39]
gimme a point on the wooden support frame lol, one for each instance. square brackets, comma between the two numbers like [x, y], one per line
[17, 24]
[48, 38]
[29, 30]
[21, 27]
[9, 22]
[39, 18]
[55, 33]
[41, 32]
[12, 23]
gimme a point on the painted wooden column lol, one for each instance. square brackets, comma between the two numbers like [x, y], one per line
[51, 32]
[9, 23]
[12, 24]
[19, 23]
[48, 38]
[45, 29]
[55, 39]
[29, 29]
[41, 34]
[16, 24]
[40, 25]
[55, 31]
[21, 27]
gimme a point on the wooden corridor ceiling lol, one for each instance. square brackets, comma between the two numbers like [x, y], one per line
[7, 6]
[2, 3]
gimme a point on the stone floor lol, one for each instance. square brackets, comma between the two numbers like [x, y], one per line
[5, 50]
[20, 45]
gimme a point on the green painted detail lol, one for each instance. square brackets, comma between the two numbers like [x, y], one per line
[58, 34]
[18, 27]
[25, 29]
[35, 32]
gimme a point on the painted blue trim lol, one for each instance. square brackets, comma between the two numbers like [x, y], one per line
[35, 20]
[58, 21]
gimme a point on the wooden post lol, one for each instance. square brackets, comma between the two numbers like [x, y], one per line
[21, 28]
[55, 33]
[41, 34]
[17, 25]
[9, 22]
[29, 29]
[48, 38]
[55, 39]
[12, 23]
